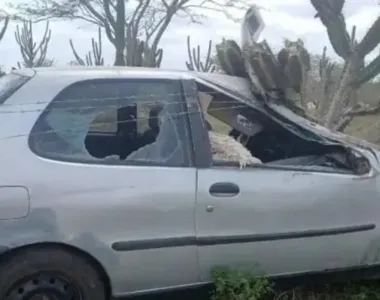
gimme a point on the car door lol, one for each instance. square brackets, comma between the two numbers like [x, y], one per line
[278, 220]
[135, 216]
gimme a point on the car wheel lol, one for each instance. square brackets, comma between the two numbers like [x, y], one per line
[49, 274]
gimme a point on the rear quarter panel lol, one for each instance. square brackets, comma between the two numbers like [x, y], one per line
[84, 205]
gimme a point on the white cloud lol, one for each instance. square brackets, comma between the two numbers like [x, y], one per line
[364, 18]
[291, 22]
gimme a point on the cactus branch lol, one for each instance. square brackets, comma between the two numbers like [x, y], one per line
[33, 54]
[370, 40]
[330, 14]
[5, 27]
[355, 111]
[195, 63]
[96, 52]
[77, 57]
[150, 57]
[368, 73]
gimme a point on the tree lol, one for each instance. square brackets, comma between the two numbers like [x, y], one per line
[195, 62]
[127, 28]
[33, 54]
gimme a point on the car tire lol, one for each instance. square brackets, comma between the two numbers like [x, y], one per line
[50, 269]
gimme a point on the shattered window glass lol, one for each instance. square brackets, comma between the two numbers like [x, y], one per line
[132, 121]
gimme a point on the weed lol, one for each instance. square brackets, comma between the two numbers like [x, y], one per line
[240, 284]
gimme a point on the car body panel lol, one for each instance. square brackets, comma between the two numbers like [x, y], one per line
[78, 205]
[315, 221]
[14, 202]
[150, 228]
[318, 221]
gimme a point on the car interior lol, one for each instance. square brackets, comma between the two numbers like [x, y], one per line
[274, 142]
[130, 131]
[125, 131]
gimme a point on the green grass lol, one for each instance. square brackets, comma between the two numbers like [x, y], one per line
[234, 284]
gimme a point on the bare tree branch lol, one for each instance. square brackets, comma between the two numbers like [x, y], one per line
[150, 17]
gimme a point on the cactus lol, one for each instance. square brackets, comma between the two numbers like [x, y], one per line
[152, 58]
[295, 62]
[325, 71]
[355, 73]
[195, 63]
[5, 27]
[270, 75]
[139, 53]
[284, 78]
[33, 54]
[92, 58]
[2, 33]
[230, 58]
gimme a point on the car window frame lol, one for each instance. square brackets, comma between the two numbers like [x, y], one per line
[19, 80]
[183, 134]
[201, 144]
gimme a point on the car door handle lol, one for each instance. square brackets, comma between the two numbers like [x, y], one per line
[224, 189]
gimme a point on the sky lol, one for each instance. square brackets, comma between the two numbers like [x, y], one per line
[283, 18]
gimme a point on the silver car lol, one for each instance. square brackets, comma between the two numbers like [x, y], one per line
[109, 186]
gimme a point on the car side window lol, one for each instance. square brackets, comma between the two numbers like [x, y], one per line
[134, 121]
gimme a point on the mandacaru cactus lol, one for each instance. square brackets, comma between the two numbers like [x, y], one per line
[195, 63]
[284, 77]
[2, 33]
[98, 59]
[230, 58]
[5, 27]
[280, 76]
[139, 53]
[355, 72]
[150, 57]
[33, 54]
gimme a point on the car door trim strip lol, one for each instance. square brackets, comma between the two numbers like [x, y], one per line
[249, 238]
[234, 239]
[154, 243]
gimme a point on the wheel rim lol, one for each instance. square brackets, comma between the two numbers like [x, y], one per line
[44, 287]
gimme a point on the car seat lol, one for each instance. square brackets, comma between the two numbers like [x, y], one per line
[151, 134]
[167, 148]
